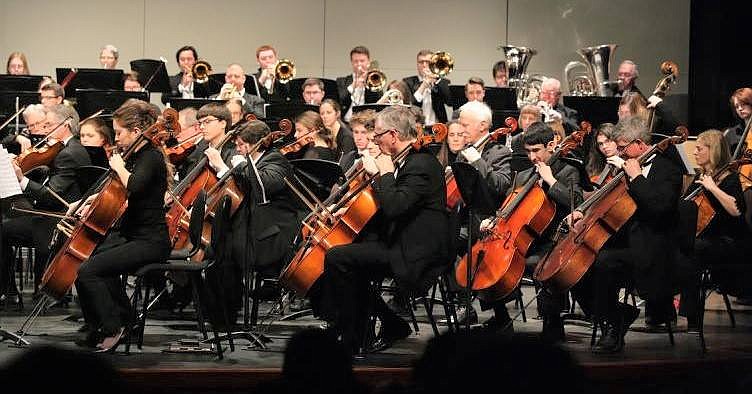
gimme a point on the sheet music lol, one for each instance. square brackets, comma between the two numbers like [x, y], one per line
[9, 185]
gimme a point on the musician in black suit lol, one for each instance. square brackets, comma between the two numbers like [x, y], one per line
[550, 92]
[182, 84]
[352, 88]
[269, 88]
[62, 182]
[412, 198]
[139, 238]
[214, 122]
[641, 254]
[268, 206]
[428, 94]
[235, 79]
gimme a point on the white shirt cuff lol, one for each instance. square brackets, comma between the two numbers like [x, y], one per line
[24, 183]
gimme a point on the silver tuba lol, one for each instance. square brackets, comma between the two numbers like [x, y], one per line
[517, 59]
[592, 77]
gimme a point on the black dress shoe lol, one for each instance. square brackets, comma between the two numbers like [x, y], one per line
[463, 313]
[610, 342]
[390, 333]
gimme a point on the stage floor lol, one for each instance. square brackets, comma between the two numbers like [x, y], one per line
[647, 359]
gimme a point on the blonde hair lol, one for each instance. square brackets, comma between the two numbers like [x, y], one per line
[720, 154]
[20, 56]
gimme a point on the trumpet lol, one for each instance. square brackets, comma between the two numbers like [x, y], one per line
[284, 71]
[441, 64]
[228, 91]
[201, 71]
[393, 97]
[375, 80]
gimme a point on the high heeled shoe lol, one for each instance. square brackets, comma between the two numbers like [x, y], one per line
[111, 343]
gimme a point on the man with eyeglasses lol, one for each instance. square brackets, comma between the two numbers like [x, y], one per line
[550, 94]
[51, 94]
[62, 183]
[641, 252]
[34, 119]
[214, 120]
[412, 200]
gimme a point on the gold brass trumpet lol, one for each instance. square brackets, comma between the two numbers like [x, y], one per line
[284, 71]
[441, 64]
[375, 80]
[201, 71]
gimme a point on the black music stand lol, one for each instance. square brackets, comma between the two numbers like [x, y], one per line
[27, 83]
[152, 75]
[318, 175]
[296, 89]
[375, 107]
[90, 78]
[477, 199]
[90, 101]
[181, 103]
[503, 99]
[595, 109]
[276, 112]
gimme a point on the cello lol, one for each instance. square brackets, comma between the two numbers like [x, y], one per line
[604, 213]
[453, 192]
[498, 259]
[86, 232]
[358, 205]
[705, 210]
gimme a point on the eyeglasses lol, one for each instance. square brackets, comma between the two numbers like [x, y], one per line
[43, 97]
[377, 136]
[622, 148]
[204, 122]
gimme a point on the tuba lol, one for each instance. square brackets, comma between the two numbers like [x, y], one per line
[201, 71]
[592, 77]
[442, 63]
[528, 87]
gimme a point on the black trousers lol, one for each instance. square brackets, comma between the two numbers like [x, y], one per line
[102, 296]
[344, 297]
[33, 231]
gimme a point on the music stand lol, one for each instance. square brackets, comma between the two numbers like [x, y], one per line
[152, 75]
[501, 98]
[477, 199]
[89, 101]
[287, 111]
[181, 103]
[296, 89]
[8, 103]
[458, 95]
[595, 109]
[375, 107]
[27, 83]
[90, 78]
[318, 175]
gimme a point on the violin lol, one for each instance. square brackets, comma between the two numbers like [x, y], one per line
[604, 213]
[499, 257]
[84, 234]
[453, 192]
[43, 153]
[304, 140]
[325, 231]
[176, 154]
[705, 210]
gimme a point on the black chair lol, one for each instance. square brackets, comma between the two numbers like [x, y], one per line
[180, 261]
[707, 286]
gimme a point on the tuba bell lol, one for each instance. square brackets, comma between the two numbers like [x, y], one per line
[592, 77]
[201, 71]
[517, 59]
[441, 64]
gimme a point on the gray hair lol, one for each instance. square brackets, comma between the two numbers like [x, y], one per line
[631, 63]
[400, 118]
[34, 109]
[62, 111]
[110, 48]
[632, 128]
[479, 110]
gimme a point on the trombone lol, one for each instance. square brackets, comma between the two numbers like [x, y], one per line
[201, 71]
[441, 64]
[284, 71]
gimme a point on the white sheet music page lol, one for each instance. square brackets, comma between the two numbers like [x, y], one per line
[9, 185]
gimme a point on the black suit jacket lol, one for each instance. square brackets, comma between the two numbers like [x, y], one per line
[279, 94]
[227, 151]
[410, 204]
[570, 118]
[440, 95]
[63, 179]
[344, 95]
[199, 90]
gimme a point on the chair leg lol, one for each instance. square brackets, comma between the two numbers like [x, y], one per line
[256, 281]
[225, 315]
[522, 304]
[411, 302]
[449, 312]
[144, 311]
[195, 281]
[701, 310]
[429, 311]
[134, 314]
[729, 310]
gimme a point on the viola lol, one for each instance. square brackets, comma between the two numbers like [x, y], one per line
[85, 233]
[705, 210]
[359, 205]
[453, 192]
[604, 213]
[499, 257]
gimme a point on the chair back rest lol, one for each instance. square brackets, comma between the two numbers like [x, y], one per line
[220, 229]
[196, 223]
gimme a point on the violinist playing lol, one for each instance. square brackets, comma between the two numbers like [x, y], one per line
[412, 198]
[34, 116]
[34, 230]
[141, 237]
[640, 254]
[214, 121]
[721, 244]
[268, 205]
[312, 139]
[561, 182]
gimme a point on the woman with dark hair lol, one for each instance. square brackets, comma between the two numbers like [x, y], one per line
[454, 142]
[603, 148]
[323, 146]
[141, 237]
[331, 112]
